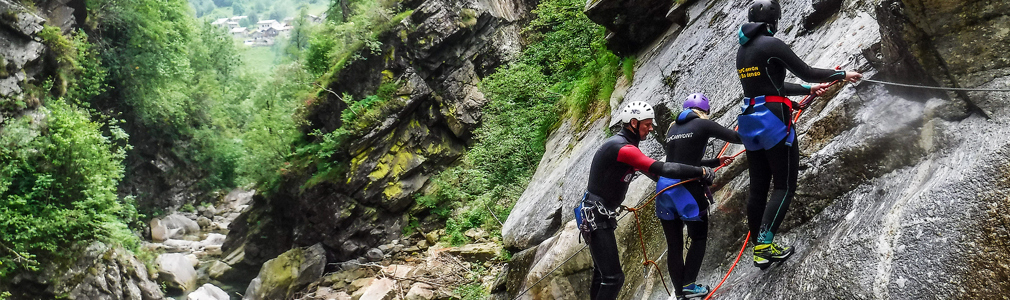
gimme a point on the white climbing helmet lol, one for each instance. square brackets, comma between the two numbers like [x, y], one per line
[638, 110]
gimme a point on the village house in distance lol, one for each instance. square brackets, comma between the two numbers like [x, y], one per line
[263, 32]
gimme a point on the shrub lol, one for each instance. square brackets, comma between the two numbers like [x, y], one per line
[58, 181]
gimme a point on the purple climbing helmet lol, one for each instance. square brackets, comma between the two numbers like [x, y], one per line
[697, 100]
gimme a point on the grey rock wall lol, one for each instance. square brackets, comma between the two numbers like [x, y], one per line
[100, 272]
[902, 194]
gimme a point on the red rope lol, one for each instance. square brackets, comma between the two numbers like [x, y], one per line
[731, 266]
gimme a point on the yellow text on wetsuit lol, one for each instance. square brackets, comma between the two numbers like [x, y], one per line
[748, 72]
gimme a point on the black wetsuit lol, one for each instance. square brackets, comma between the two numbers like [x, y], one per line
[685, 143]
[613, 167]
[761, 62]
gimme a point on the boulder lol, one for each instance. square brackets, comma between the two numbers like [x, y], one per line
[476, 234]
[358, 284]
[159, 233]
[399, 271]
[176, 271]
[477, 252]
[177, 246]
[431, 237]
[208, 292]
[420, 291]
[217, 270]
[287, 274]
[374, 255]
[173, 226]
[213, 239]
[380, 289]
[99, 271]
[193, 260]
[204, 222]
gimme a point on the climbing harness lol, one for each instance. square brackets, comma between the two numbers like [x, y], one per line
[675, 203]
[936, 87]
[759, 128]
[586, 218]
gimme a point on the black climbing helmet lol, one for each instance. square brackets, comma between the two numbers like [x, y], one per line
[765, 11]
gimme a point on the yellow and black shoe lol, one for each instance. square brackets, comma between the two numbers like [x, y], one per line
[765, 254]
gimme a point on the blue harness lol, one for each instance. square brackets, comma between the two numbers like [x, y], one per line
[676, 202]
[761, 129]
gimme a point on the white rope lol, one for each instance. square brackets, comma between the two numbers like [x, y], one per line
[937, 88]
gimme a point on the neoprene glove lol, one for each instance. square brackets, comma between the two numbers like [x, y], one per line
[707, 176]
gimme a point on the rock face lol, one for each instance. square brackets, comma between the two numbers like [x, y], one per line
[282, 277]
[437, 55]
[886, 174]
[100, 272]
[632, 24]
[22, 53]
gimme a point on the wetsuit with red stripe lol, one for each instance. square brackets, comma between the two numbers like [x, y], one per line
[614, 165]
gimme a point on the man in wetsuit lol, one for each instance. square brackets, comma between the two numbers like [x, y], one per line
[765, 125]
[685, 143]
[614, 165]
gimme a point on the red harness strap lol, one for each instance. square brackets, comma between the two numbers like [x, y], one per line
[776, 99]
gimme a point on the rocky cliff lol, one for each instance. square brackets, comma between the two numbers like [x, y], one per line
[902, 192]
[437, 55]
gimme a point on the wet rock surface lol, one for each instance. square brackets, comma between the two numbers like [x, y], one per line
[886, 175]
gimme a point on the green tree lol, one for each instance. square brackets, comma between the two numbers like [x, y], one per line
[58, 181]
[300, 35]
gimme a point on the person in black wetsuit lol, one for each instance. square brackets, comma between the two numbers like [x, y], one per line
[685, 143]
[612, 170]
[765, 124]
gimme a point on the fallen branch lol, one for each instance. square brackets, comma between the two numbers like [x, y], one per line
[493, 215]
[19, 257]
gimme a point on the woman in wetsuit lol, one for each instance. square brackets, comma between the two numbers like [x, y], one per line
[765, 125]
[685, 143]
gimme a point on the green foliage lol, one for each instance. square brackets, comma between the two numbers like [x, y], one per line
[150, 64]
[58, 185]
[565, 73]
[268, 137]
[88, 80]
[177, 79]
[368, 112]
[628, 66]
[54, 39]
[471, 291]
[361, 32]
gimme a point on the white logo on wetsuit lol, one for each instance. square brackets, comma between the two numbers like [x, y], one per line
[681, 136]
[627, 177]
